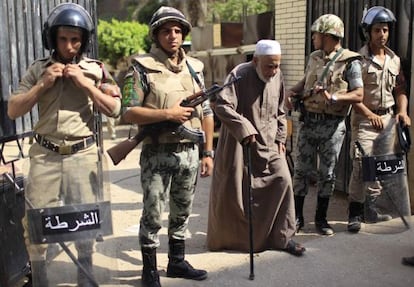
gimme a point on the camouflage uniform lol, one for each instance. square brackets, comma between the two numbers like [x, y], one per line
[154, 85]
[323, 128]
[169, 163]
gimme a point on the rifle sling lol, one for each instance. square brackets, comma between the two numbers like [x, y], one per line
[194, 75]
[325, 71]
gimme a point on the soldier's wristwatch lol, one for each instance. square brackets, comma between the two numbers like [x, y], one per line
[334, 99]
[208, 153]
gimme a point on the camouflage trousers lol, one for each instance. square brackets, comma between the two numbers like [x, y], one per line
[318, 140]
[168, 174]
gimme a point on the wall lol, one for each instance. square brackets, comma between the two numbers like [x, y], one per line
[290, 31]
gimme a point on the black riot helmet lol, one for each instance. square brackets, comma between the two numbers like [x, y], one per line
[374, 15]
[70, 15]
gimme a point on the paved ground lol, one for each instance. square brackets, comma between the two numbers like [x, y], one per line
[370, 258]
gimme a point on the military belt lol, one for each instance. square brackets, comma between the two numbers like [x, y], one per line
[173, 147]
[65, 149]
[322, 116]
[381, 112]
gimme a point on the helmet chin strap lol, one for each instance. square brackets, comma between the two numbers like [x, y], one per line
[329, 45]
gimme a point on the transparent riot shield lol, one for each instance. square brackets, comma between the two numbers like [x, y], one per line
[387, 203]
[68, 215]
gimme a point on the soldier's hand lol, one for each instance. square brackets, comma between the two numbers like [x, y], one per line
[404, 118]
[179, 114]
[289, 103]
[74, 72]
[51, 73]
[206, 166]
[319, 87]
[376, 121]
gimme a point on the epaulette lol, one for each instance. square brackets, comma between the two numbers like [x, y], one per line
[90, 60]
[41, 61]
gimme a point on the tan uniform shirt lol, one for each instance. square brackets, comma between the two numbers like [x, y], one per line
[65, 110]
[380, 81]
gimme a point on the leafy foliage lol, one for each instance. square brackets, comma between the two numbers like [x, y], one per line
[233, 10]
[145, 13]
[119, 39]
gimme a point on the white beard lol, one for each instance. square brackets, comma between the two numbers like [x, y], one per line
[261, 77]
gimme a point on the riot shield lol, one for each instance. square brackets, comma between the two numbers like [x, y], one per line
[387, 203]
[68, 214]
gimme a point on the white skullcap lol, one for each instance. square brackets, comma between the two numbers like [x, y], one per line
[268, 47]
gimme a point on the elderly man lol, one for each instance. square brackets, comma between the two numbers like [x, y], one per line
[252, 114]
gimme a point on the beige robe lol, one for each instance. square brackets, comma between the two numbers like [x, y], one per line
[251, 107]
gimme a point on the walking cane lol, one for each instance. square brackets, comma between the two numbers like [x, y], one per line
[248, 162]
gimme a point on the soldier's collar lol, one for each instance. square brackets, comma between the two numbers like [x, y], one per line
[163, 57]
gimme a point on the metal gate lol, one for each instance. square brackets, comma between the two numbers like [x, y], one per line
[351, 11]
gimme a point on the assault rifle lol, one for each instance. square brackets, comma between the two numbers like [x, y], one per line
[119, 151]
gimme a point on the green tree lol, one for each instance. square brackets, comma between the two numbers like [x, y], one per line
[145, 12]
[120, 39]
[235, 10]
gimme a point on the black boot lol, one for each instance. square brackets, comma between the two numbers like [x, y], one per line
[355, 216]
[86, 280]
[177, 266]
[322, 226]
[408, 261]
[39, 274]
[300, 221]
[150, 276]
[371, 212]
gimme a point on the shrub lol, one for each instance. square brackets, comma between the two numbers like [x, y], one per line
[120, 39]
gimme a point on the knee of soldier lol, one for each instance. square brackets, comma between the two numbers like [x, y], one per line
[36, 251]
[84, 247]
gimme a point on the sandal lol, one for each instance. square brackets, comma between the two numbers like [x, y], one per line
[294, 248]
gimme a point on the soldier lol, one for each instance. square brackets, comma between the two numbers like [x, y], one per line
[331, 83]
[374, 120]
[63, 160]
[154, 88]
